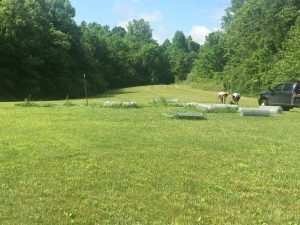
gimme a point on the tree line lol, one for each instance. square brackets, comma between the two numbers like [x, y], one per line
[44, 53]
[258, 47]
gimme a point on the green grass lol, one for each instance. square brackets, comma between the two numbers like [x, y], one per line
[95, 165]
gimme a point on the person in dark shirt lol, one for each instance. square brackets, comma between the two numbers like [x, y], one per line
[235, 98]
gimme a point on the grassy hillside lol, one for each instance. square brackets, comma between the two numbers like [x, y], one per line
[94, 165]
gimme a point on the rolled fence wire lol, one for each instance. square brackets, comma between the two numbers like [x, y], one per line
[254, 112]
[273, 109]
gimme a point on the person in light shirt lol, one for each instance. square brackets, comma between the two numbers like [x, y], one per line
[222, 97]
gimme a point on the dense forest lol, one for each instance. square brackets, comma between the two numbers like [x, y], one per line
[259, 46]
[44, 53]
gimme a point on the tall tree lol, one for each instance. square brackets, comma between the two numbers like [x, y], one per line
[179, 41]
[288, 65]
[211, 58]
[182, 52]
[140, 31]
[253, 38]
[21, 30]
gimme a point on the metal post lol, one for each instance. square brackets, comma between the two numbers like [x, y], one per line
[86, 97]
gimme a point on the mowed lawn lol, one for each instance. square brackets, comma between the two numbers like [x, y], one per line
[94, 165]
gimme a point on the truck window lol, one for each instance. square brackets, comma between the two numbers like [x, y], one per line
[297, 89]
[278, 87]
[288, 87]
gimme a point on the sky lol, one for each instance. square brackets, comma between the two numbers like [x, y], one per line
[194, 17]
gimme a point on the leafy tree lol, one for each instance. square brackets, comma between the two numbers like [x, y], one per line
[257, 48]
[182, 52]
[192, 45]
[288, 65]
[252, 40]
[40, 48]
[179, 41]
[94, 56]
[230, 11]
[140, 31]
[20, 34]
[211, 58]
[119, 31]
[236, 5]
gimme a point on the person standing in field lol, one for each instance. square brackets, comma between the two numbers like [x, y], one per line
[235, 98]
[222, 97]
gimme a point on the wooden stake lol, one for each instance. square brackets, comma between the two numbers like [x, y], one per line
[86, 97]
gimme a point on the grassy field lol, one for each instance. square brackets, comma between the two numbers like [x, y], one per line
[94, 165]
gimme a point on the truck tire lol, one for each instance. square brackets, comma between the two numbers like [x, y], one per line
[286, 108]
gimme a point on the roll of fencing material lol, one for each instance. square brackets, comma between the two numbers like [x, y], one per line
[204, 107]
[273, 109]
[199, 106]
[213, 107]
[254, 112]
[224, 106]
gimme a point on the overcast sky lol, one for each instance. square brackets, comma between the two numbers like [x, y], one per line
[194, 17]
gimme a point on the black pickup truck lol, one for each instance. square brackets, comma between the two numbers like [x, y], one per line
[286, 95]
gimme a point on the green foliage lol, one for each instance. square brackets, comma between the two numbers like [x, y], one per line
[182, 53]
[45, 53]
[258, 47]
[253, 39]
[139, 31]
[179, 41]
[287, 67]
[211, 59]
